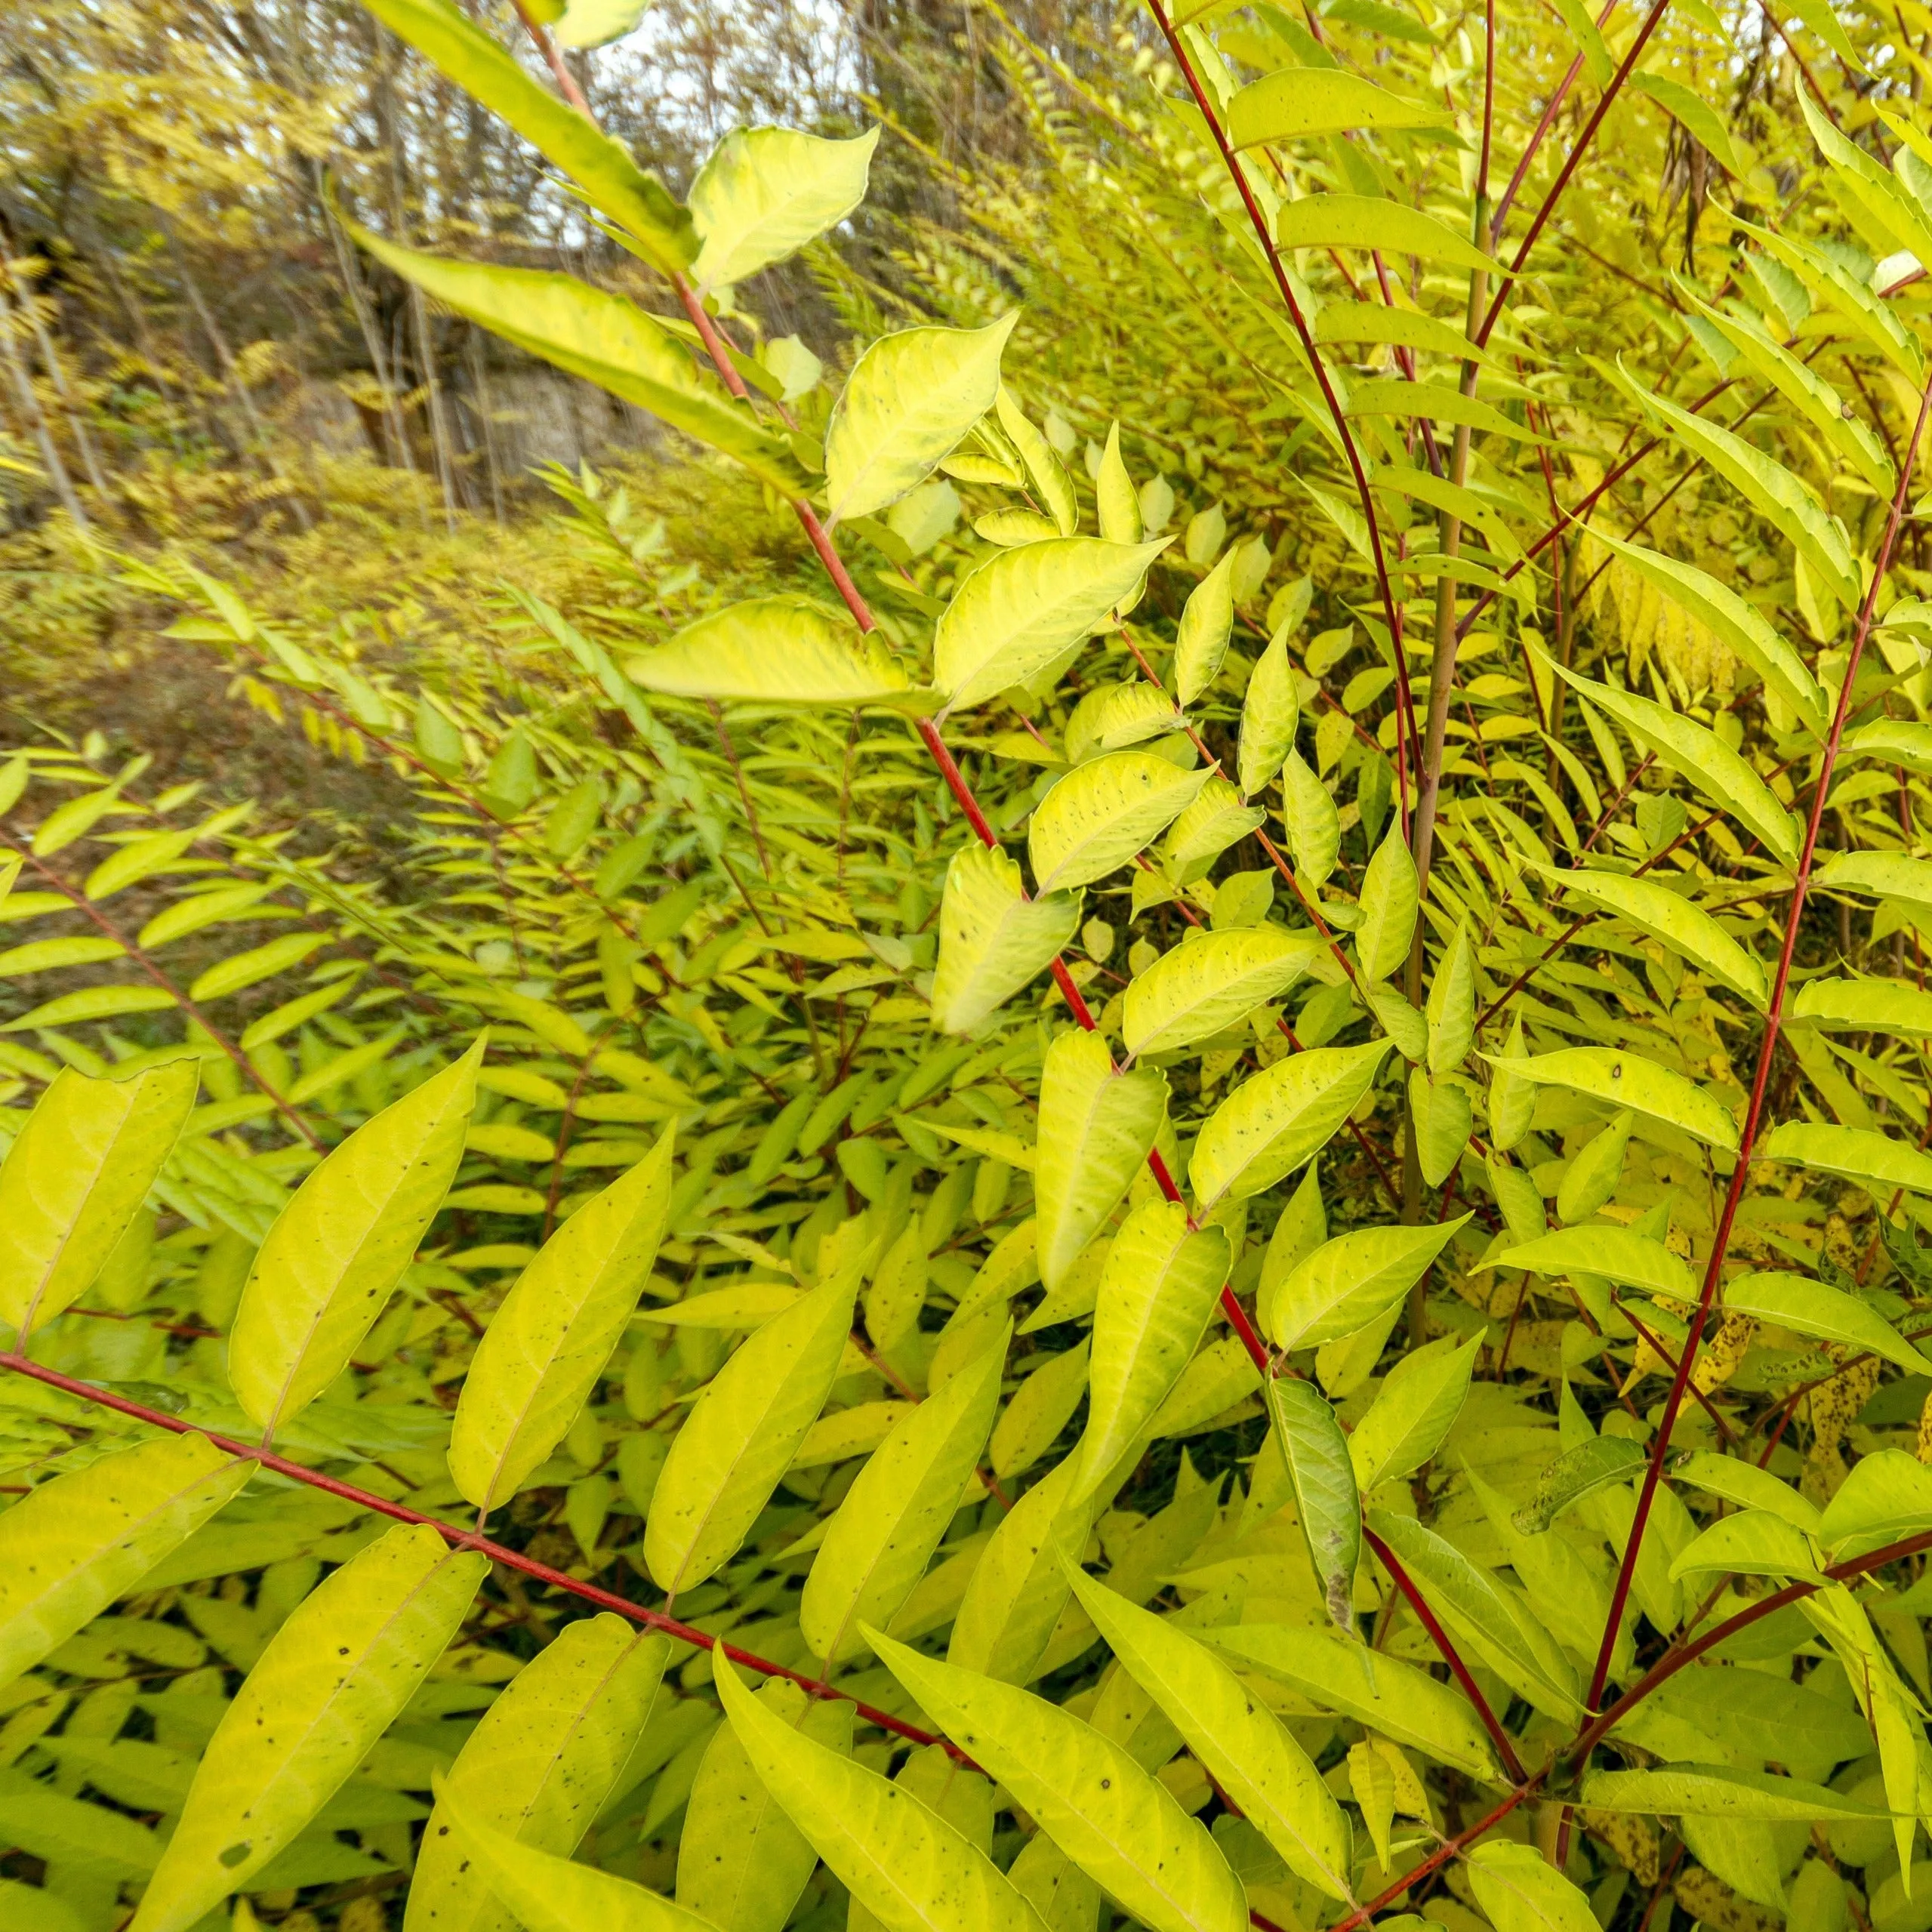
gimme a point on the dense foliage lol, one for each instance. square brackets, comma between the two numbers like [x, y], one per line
[1119, 1113]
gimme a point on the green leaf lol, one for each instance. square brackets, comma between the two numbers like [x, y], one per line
[1214, 820]
[1299, 103]
[775, 651]
[763, 192]
[1602, 1249]
[340, 1246]
[1013, 1602]
[1097, 1126]
[549, 1341]
[74, 1546]
[910, 398]
[93, 1003]
[1268, 1127]
[1313, 823]
[1787, 503]
[1066, 1899]
[1481, 1610]
[1809, 1308]
[603, 338]
[1855, 1154]
[1891, 741]
[1452, 1006]
[539, 1766]
[1124, 1829]
[878, 1544]
[1799, 383]
[602, 167]
[1725, 776]
[1521, 1891]
[1270, 712]
[1370, 221]
[1101, 813]
[741, 1435]
[51, 955]
[742, 1861]
[1051, 485]
[1696, 115]
[1390, 898]
[1668, 917]
[1341, 321]
[547, 1894]
[1884, 875]
[1443, 1114]
[1207, 622]
[1582, 28]
[1853, 302]
[1751, 1542]
[1347, 1282]
[1888, 1495]
[1626, 1079]
[332, 1679]
[1591, 1465]
[74, 1178]
[1022, 610]
[901, 1861]
[1245, 1749]
[1746, 1484]
[1209, 982]
[1394, 396]
[1715, 1791]
[1413, 1411]
[260, 963]
[1157, 1293]
[1388, 1696]
[1309, 1441]
[992, 939]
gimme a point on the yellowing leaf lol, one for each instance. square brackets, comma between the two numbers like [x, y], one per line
[1370, 221]
[1101, 813]
[1023, 609]
[1122, 1828]
[539, 1766]
[603, 338]
[992, 939]
[741, 1435]
[331, 1681]
[1207, 622]
[1412, 1412]
[1521, 1891]
[1214, 820]
[1618, 1253]
[1712, 1791]
[1210, 982]
[910, 398]
[1347, 1282]
[76, 1177]
[1271, 1124]
[340, 1246]
[547, 1894]
[763, 192]
[1628, 1080]
[1157, 1295]
[1096, 1127]
[1298, 103]
[1013, 1599]
[774, 651]
[1269, 714]
[75, 1545]
[1390, 898]
[1885, 875]
[877, 1545]
[1688, 930]
[549, 1342]
[1876, 1005]
[900, 1859]
[602, 167]
[1245, 1749]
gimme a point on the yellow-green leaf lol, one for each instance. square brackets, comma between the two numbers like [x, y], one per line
[1209, 982]
[1371, 221]
[742, 1433]
[993, 938]
[1101, 813]
[340, 1245]
[1299, 103]
[898, 1858]
[76, 1177]
[1097, 1126]
[539, 1765]
[1120, 1826]
[1271, 1124]
[332, 1679]
[1628, 1079]
[763, 192]
[76, 1544]
[1347, 1282]
[1207, 622]
[1855, 1154]
[774, 651]
[910, 398]
[548, 1343]
[1667, 916]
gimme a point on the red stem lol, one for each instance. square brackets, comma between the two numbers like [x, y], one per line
[1773, 1020]
[1450, 1848]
